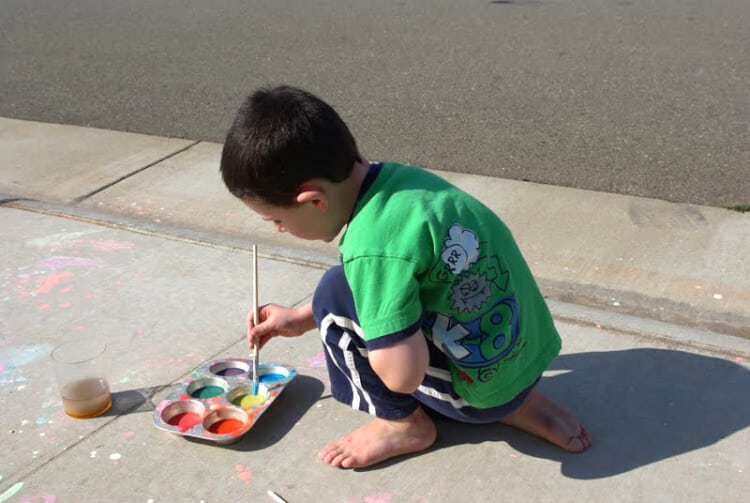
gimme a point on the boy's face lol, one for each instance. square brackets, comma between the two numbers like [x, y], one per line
[303, 220]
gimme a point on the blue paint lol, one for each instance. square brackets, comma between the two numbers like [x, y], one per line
[269, 378]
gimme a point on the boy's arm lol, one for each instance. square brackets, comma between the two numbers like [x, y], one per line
[402, 366]
[278, 320]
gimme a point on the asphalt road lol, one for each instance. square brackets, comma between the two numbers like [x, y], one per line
[626, 96]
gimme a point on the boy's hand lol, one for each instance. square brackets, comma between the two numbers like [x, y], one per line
[278, 320]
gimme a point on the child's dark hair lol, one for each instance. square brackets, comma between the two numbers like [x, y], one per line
[281, 138]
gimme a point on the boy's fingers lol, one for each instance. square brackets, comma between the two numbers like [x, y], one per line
[262, 340]
[260, 333]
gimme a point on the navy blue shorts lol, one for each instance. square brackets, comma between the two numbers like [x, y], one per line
[355, 383]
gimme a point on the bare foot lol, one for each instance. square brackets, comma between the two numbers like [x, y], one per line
[381, 439]
[542, 417]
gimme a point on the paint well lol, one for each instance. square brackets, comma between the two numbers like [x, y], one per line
[207, 392]
[226, 426]
[185, 420]
[271, 377]
[230, 371]
[248, 401]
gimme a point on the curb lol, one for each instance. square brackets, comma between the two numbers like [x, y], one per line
[576, 312]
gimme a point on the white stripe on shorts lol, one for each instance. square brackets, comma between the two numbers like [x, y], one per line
[442, 375]
[353, 375]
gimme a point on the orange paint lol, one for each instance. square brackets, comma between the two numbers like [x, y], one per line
[226, 426]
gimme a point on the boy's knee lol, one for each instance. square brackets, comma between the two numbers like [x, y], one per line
[333, 278]
[333, 295]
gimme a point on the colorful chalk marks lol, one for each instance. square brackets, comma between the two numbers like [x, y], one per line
[217, 403]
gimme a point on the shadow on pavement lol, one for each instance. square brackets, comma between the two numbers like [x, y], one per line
[132, 401]
[640, 406]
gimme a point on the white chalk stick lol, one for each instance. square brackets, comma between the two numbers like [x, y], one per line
[276, 497]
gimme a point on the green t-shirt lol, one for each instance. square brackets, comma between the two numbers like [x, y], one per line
[419, 248]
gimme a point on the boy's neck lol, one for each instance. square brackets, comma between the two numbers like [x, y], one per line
[359, 172]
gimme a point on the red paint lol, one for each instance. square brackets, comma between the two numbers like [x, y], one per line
[226, 426]
[465, 377]
[185, 420]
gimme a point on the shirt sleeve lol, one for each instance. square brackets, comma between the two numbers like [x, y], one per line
[386, 294]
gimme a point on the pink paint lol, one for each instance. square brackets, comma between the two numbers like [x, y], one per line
[105, 245]
[185, 420]
[379, 498]
[49, 282]
[42, 307]
[242, 474]
[318, 360]
[42, 498]
[56, 263]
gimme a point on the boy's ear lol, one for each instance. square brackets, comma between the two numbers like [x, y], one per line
[311, 193]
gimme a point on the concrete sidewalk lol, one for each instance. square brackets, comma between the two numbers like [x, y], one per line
[677, 263]
[134, 239]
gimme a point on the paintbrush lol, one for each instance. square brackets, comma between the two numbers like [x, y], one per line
[256, 350]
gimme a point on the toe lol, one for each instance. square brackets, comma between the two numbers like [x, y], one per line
[339, 460]
[329, 453]
[585, 438]
[580, 442]
[348, 462]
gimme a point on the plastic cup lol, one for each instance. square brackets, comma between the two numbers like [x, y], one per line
[81, 369]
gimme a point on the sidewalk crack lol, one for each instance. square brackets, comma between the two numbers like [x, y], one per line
[133, 173]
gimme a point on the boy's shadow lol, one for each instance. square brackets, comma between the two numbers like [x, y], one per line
[639, 405]
[298, 396]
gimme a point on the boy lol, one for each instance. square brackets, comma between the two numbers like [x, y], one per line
[433, 306]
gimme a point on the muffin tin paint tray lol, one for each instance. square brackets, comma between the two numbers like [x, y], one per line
[217, 404]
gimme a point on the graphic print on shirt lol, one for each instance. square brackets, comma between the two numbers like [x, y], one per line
[461, 249]
[479, 342]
